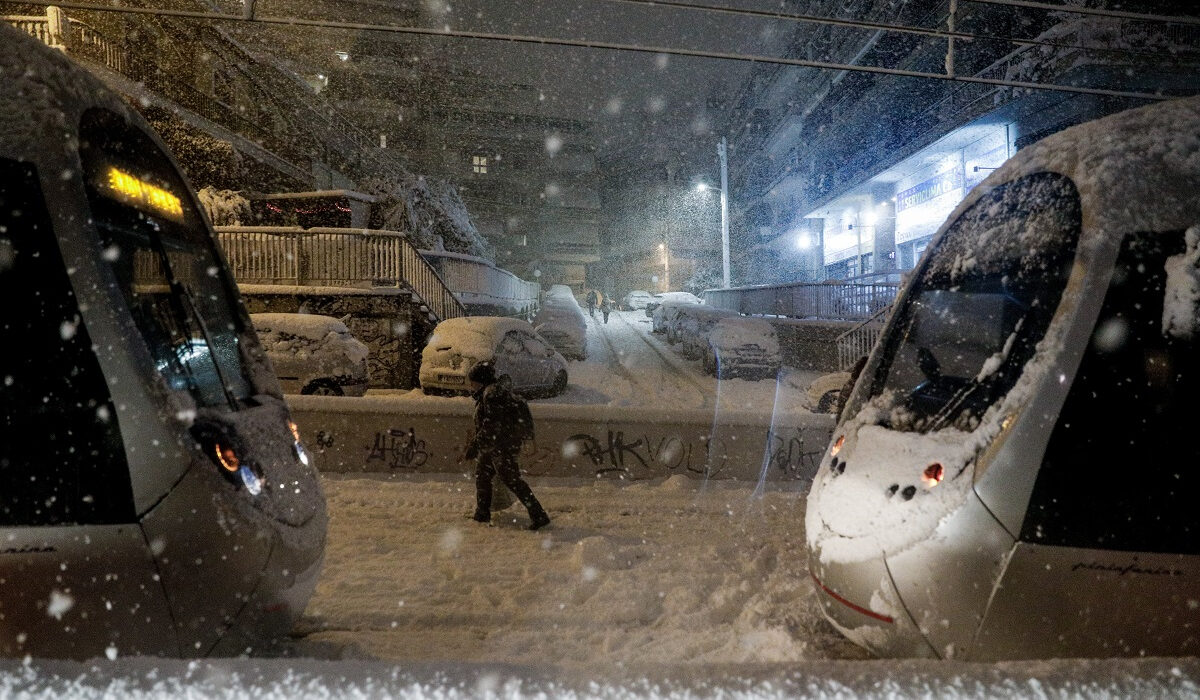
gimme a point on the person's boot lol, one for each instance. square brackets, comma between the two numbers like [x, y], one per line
[538, 518]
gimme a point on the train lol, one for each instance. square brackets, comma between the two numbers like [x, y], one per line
[155, 497]
[1014, 472]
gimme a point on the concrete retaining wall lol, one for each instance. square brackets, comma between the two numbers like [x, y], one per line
[386, 434]
[810, 344]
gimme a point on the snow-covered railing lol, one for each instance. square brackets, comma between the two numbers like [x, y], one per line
[36, 26]
[848, 302]
[335, 257]
[56, 30]
[478, 282]
[859, 340]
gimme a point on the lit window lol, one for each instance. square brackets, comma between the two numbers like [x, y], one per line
[479, 164]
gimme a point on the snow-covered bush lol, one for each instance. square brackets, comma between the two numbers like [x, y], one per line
[225, 207]
[427, 210]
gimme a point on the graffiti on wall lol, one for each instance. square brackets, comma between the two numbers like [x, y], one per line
[644, 456]
[398, 449]
[789, 453]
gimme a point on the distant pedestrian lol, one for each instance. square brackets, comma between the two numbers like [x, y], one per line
[606, 307]
[591, 302]
[502, 423]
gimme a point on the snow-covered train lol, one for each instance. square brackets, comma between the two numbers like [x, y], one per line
[1016, 470]
[154, 497]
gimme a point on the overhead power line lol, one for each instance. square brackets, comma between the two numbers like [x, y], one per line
[1096, 11]
[606, 45]
[879, 26]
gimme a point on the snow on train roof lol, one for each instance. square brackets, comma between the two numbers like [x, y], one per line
[42, 91]
[1140, 168]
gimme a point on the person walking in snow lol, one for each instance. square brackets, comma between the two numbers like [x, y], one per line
[606, 307]
[502, 423]
[591, 302]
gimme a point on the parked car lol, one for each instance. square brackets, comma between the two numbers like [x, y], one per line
[657, 300]
[742, 345]
[691, 326]
[560, 321]
[637, 299]
[664, 315]
[518, 352]
[313, 354]
[826, 390]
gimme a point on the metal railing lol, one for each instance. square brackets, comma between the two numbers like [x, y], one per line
[335, 257]
[478, 282]
[56, 30]
[859, 340]
[847, 302]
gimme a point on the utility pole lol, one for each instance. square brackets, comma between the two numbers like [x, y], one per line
[721, 153]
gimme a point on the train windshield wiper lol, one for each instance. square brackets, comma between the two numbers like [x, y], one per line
[189, 317]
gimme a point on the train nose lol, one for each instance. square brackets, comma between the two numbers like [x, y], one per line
[860, 601]
[879, 492]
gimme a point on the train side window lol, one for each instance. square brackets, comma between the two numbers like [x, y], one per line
[61, 456]
[1122, 468]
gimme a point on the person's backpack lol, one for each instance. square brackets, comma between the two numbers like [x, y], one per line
[523, 423]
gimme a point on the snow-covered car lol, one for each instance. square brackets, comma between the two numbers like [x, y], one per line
[635, 300]
[313, 354]
[825, 391]
[658, 299]
[742, 345]
[665, 313]
[515, 348]
[560, 321]
[691, 326]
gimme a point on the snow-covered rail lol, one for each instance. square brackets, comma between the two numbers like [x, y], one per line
[400, 434]
[335, 257]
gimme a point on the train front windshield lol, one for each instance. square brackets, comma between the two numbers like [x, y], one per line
[980, 305]
[164, 259]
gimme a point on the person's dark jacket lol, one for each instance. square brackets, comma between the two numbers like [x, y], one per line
[502, 421]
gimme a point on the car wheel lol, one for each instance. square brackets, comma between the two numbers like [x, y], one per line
[828, 401]
[560, 383]
[322, 387]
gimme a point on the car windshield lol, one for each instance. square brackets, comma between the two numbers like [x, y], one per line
[701, 239]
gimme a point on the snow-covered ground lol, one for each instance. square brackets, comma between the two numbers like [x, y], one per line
[671, 589]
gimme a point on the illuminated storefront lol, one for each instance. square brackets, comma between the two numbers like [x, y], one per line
[885, 224]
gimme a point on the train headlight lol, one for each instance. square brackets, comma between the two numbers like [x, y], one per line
[933, 475]
[237, 471]
[227, 458]
[301, 453]
[250, 480]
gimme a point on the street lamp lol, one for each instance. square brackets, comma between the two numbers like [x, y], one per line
[666, 251]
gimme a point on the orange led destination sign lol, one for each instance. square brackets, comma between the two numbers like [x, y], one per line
[143, 195]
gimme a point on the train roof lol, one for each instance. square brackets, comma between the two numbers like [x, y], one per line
[1138, 170]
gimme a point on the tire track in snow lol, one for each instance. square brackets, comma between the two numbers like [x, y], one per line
[678, 372]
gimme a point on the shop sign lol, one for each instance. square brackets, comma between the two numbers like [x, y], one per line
[932, 188]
